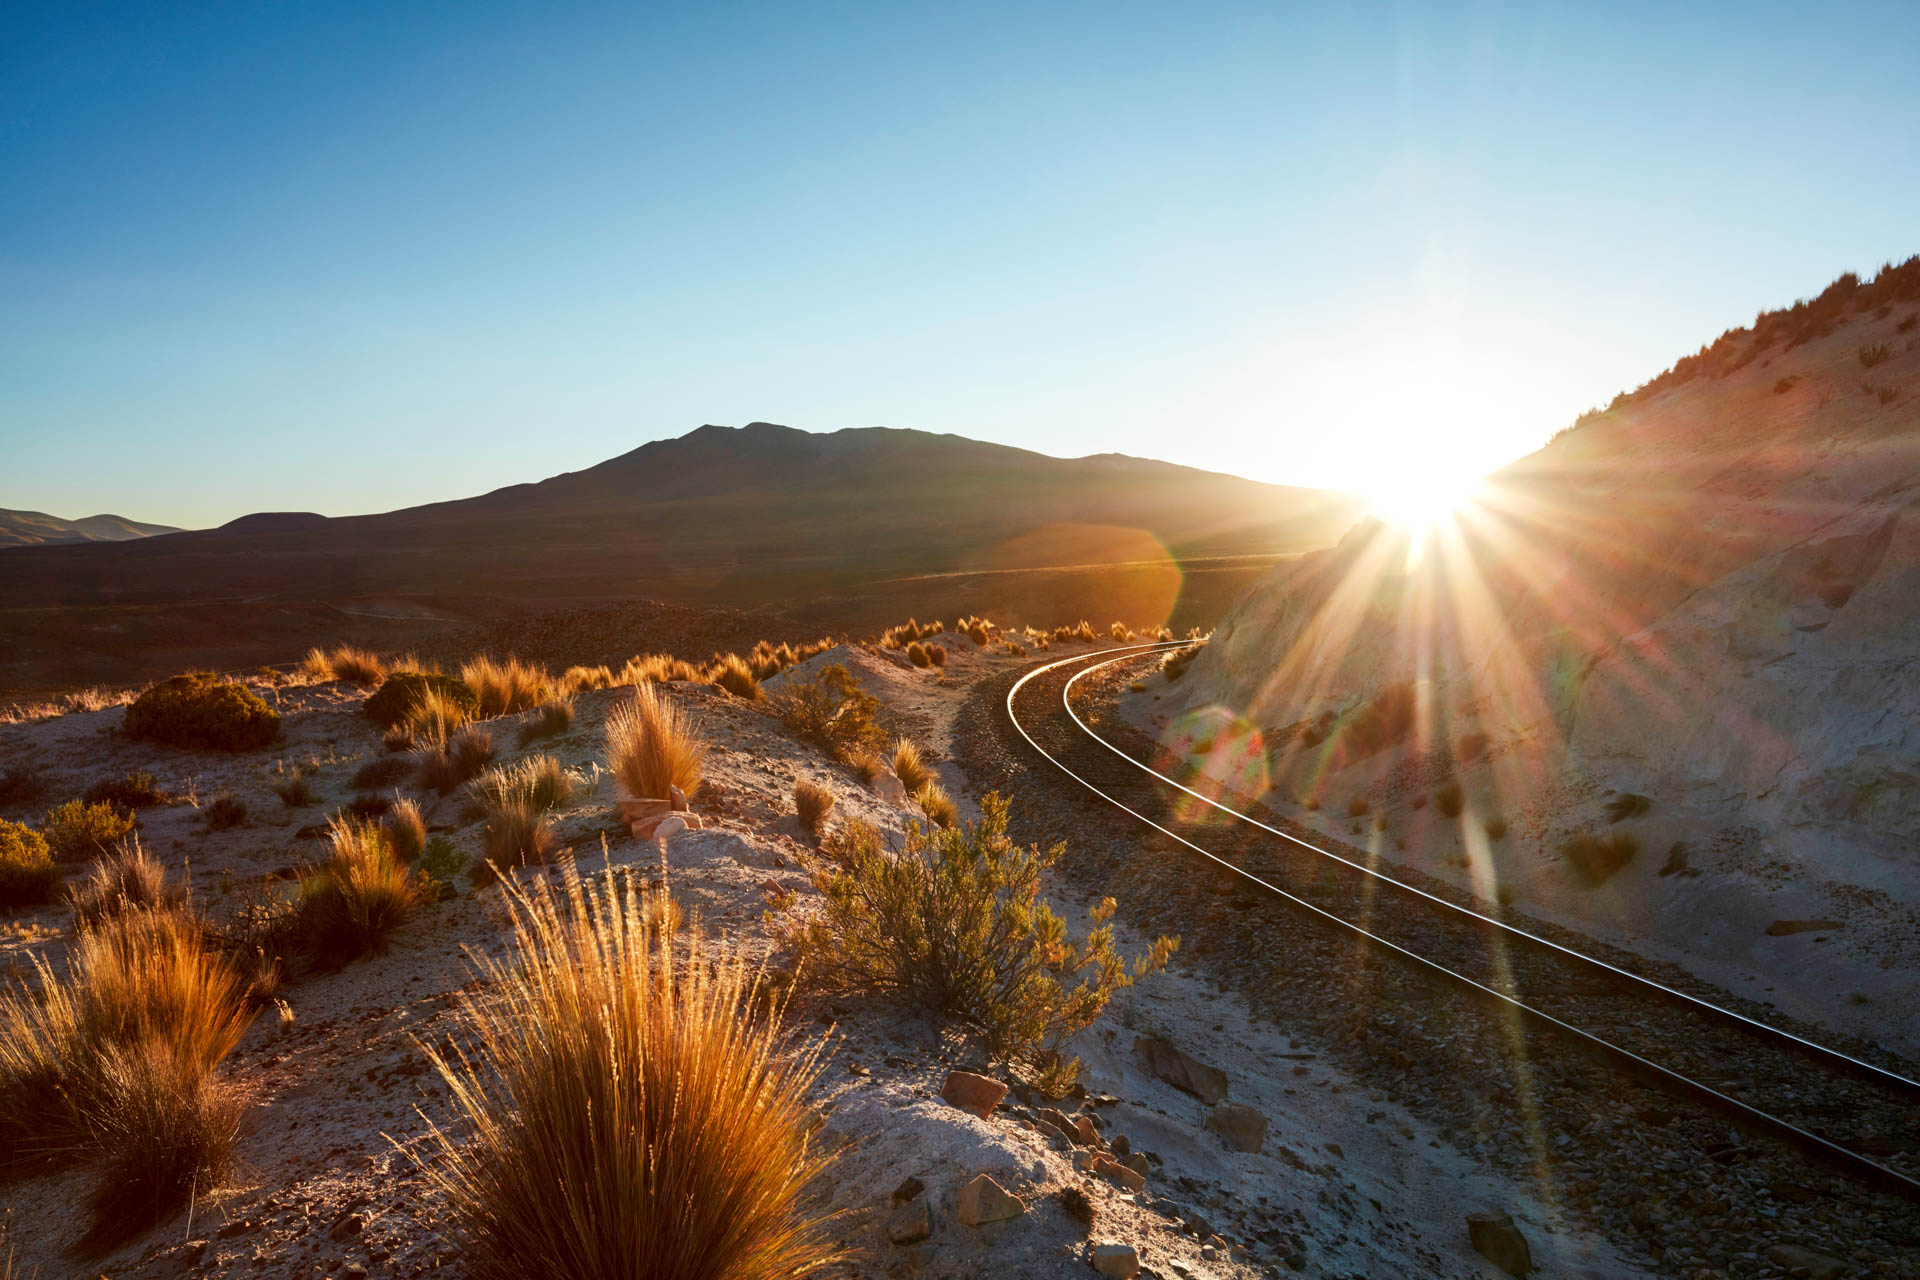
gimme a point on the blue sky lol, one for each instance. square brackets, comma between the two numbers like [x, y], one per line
[340, 258]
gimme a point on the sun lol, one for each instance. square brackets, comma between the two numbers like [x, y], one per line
[1416, 497]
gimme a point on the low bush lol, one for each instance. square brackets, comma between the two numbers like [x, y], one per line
[652, 746]
[399, 697]
[611, 1075]
[27, 872]
[1496, 828]
[731, 672]
[953, 923]
[78, 831]
[138, 789]
[833, 712]
[114, 1064]
[1595, 858]
[126, 880]
[405, 830]
[1450, 799]
[439, 864]
[224, 812]
[1873, 353]
[465, 754]
[382, 771]
[350, 904]
[200, 710]
[549, 720]
[1357, 806]
[499, 688]
[811, 803]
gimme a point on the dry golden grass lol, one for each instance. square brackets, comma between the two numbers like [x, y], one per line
[731, 672]
[1121, 632]
[128, 879]
[811, 803]
[113, 1064]
[867, 766]
[907, 764]
[351, 903]
[582, 678]
[503, 687]
[405, 830]
[538, 781]
[936, 804]
[657, 668]
[519, 833]
[630, 1108]
[434, 718]
[652, 746]
[918, 655]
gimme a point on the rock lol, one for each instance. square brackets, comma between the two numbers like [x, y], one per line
[911, 1224]
[922, 1256]
[349, 1225]
[1077, 1206]
[1112, 1170]
[1138, 1163]
[975, 1093]
[908, 1190]
[632, 811]
[1049, 1115]
[1121, 1144]
[1120, 1261]
[668, 827]
[1162, 1060]
[353, 1271]
[1085, 1160]
[1084, 1132]
[1795, 1257]
[983, 1200]
[1496, 1239]
[678, 800]
[1244, 1128]
[888, 787]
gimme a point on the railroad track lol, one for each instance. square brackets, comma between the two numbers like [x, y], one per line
[1858, 1117]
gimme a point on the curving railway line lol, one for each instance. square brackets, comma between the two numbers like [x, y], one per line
[1856, 1116]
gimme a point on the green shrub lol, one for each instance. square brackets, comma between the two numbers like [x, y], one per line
[396, 699]
[78, 831]
[953, 923]
[439, 863]
[27, 873]
[201, 710]
[833, 712]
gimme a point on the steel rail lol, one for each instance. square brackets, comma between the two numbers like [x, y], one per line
[1644, 1069]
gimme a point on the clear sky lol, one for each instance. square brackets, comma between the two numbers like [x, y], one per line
[343, 258]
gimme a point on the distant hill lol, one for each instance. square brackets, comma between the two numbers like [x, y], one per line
[38, 529]
[843, 528]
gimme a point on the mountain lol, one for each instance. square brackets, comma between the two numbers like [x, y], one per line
[37, 528]
[846, 528]
[1676, 652]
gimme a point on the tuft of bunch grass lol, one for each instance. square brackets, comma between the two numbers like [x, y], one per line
[919, 655]
[357, 666]
[518, 801]
[225, 811]
[549, 720]
[908, 765]
[811, 803]
[657, 668]
[138, 789]
[731, 672]
[466, 753]
[518, 833]
[1121, 632]
[381, 771]
[502, 687]
[435, 717]
[652, 746]
[126, 880]
[576, 679]
[405, 830]
[350, 904]
[632, 1106]
[294, 790]
[937, 804]
[937, 654]
[113, 1064]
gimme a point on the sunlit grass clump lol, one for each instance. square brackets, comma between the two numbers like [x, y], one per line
[626, 1105]
[653, 746]
[502, 687]
[356, 666]
[351, 903]
[113, 1064]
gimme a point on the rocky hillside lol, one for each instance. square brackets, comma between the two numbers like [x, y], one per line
[38, 529]
[1664, 681]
